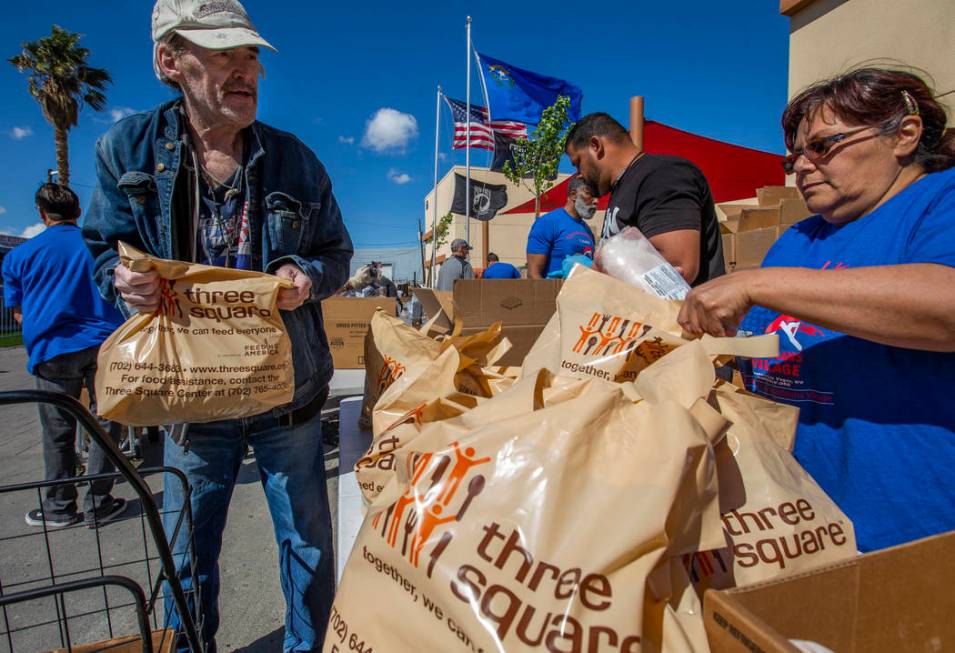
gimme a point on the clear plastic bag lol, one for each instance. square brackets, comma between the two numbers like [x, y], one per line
[630, 257]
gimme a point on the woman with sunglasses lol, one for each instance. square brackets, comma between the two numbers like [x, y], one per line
[862, 296]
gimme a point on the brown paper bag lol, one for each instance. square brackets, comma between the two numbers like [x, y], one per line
[519, 525]
[391, 348]
[611, 330]
[776, 519]
[215, 349]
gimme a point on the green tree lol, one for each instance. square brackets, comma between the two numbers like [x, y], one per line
[535, 159]
[441, 235]
[61, 82]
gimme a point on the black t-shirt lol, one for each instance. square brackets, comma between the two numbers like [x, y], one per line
[661, 193]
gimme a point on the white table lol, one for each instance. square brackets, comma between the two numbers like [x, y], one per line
[347, 383]
[353, 443]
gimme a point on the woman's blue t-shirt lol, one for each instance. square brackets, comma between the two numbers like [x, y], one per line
[876, 423]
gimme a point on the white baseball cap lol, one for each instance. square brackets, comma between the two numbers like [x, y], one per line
[210, 24]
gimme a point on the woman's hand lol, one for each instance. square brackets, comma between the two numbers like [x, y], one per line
[718, 306]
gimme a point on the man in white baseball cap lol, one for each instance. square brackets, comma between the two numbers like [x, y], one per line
[210, 24]
[200, 179]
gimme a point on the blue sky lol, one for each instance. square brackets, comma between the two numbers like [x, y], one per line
[715, 68]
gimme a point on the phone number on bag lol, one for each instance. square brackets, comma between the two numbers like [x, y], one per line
[158, 367]
[339, 628]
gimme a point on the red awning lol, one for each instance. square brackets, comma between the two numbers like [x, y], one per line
[733, 172]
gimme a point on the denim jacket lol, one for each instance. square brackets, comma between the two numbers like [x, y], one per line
[293, 218]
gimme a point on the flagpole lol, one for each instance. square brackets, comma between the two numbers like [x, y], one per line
[485, 227]
[434, 196]
[487, 100]
[467, 151]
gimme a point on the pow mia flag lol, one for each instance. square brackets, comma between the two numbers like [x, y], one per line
[486, 199]
[503, 151]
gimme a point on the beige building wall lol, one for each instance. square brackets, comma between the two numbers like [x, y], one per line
[507, 233]
[828, 37]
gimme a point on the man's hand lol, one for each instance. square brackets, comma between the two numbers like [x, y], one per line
[18, 315]
[718, 306]
[141, 290]
[291, 298]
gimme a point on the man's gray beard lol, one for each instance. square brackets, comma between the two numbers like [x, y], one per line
[584, 210]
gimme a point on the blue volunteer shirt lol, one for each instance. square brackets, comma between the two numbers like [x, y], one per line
[50, 277]
[557, 235]
[876, 423]
[501, 270]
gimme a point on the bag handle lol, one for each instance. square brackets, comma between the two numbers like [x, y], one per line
[710, 419]
[766, 346]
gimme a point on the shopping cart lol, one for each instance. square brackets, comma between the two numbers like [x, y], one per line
[84, 590]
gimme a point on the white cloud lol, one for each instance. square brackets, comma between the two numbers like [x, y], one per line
[29, 232]
[390, 130]
[3, 210]
[442, 156]
[20, 132]
[347, 140]
[118, 113]
[33, 230]
[399, 178]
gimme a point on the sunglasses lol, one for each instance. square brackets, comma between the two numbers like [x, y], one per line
[817, 148]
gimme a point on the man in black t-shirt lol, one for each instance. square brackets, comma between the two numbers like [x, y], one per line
[665, 197]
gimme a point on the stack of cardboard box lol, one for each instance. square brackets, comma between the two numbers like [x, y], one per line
[346, 322]
[523, 306]
[751, 227]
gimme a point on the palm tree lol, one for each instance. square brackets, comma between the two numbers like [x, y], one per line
[60, 80]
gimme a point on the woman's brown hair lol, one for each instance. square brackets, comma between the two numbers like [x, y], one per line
[881, 98]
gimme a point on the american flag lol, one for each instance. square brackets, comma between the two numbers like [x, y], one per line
[482, 131]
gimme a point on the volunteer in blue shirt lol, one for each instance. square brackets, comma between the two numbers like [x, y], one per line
[562, 232]
[497, 270]
[861, 295]
[48, 281]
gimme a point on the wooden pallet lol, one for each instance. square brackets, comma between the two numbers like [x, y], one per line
[162, 643]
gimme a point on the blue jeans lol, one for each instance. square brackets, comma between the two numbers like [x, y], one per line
[291, 466]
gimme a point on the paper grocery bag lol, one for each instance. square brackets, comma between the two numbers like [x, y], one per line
[394, 350]
[215, 349]
[611, 330]
[776, 518]
[526, 525]
[391, 349]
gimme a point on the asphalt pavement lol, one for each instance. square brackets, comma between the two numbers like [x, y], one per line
[251, 604]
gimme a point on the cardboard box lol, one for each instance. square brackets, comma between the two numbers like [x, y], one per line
[346, 321]
[772, 195]
[732, 210]
[729, 249]
[751, 233]
[523, 306]
[751, 247]
[434, 302]
[750, 229]
[898, 600]
[792, 211]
